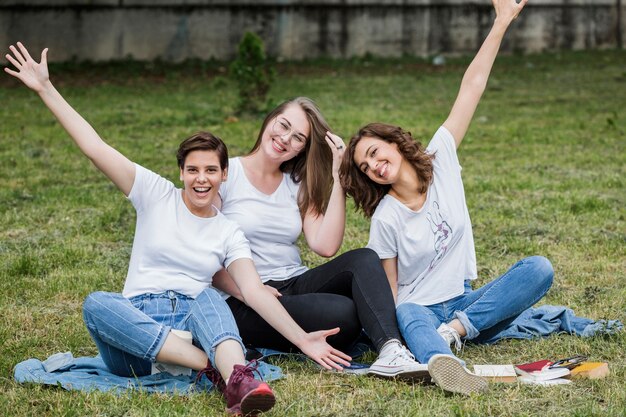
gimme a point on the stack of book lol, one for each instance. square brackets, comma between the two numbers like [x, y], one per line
[543, 372]
[496, 373]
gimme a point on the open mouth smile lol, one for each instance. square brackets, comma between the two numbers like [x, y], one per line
[202, 190]
[278, 147]
[382, 171]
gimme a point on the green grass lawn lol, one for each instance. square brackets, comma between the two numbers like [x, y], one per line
[544, 167]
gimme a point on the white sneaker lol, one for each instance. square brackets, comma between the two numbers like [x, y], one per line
[397, 361]
[450, 335]
[449, 373]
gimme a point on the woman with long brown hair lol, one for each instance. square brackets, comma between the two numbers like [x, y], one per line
[421, 229]
[288, 184]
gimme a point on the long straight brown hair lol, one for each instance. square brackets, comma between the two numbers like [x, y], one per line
[312, 167]
[367, 193]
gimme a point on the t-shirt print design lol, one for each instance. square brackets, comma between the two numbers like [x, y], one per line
[442, 233]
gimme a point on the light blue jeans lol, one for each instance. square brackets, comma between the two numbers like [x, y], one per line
[482, 312]
[130, 332]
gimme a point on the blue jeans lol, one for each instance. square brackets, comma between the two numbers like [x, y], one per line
[130, 332]
[481, 312]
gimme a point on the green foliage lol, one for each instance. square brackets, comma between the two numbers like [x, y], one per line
[253, 73]
[544, 174]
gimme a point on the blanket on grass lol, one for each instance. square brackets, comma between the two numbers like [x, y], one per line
[91, 374]
[88, 374]
[546, 320]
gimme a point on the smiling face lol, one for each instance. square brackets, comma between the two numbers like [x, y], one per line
[378, 159]
[201, 175]
[286, 135]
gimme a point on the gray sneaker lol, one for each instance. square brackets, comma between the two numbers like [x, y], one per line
[449, 373]
[450, 335]
[401, 363]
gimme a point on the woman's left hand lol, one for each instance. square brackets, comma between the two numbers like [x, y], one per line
[316, 348]
[338, 148]
[272, 291]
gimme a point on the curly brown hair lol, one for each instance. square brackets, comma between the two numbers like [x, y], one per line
[365, 192]
[312, 167]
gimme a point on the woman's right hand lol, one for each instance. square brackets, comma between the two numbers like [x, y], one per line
[33, 74]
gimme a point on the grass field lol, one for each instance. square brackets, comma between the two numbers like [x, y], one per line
[544, 172]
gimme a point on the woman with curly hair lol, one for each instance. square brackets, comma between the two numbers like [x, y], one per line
[422, 232]
[286, 185]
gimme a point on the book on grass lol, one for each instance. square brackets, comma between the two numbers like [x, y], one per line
[591, 370]
[540, 371]
[546, 382]
[533, 366]
[496, 373]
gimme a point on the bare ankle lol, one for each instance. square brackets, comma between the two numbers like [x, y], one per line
[456, 325]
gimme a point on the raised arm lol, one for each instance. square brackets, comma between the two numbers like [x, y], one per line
[313, 344]
[34, 75]
[324, 232]
[476, 76]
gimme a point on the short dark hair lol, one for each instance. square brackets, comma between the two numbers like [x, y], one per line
[202, 141]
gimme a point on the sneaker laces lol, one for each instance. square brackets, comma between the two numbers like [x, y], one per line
[401, 355]
[241, 372]
[393, 350]
[213, 375]
[450, 335]
[406, 354]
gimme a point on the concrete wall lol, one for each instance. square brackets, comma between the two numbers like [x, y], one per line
[175, 30]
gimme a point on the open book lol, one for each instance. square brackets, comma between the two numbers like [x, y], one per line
[496, 373]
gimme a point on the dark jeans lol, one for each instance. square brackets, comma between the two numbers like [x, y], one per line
[349, 292]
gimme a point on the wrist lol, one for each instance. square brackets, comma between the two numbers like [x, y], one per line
[501, 23]
[300, 341]
[46, 88]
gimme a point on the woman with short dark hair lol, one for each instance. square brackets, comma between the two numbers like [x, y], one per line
[181, 240]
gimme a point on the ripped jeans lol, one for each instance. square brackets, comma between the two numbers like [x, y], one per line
[482, 312]
[130, 332]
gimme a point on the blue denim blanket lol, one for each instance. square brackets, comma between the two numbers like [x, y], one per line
[91, 374]
[87, 374]
[546, 320]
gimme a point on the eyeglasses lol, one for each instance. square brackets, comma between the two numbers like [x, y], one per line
[569, 363]
[282, 128]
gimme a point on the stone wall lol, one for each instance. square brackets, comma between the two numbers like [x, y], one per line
[174, 30]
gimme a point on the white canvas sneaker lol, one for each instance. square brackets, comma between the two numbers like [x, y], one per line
[449, 373]
[397, 361]
[450, 335]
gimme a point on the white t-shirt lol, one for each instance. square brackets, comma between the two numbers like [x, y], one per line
[174, 249]
[271, 223]
[435, 245]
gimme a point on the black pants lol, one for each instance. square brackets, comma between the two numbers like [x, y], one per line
[349, 292]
